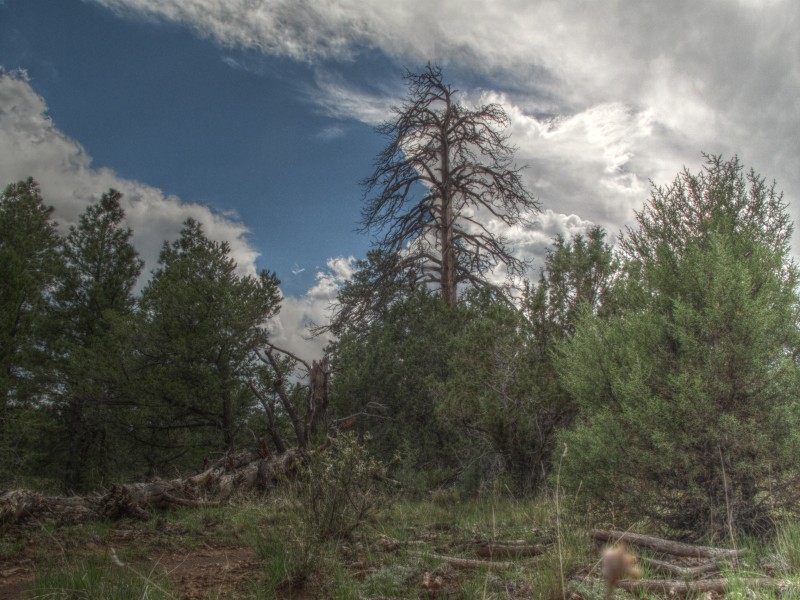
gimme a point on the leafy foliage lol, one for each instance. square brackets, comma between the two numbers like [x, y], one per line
[29, 269]
[385, 376]
[504, 389]
[90, 344]
[339, 489]
[202, 321]
[688, 394]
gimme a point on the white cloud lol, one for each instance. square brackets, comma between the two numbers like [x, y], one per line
[32, 146]
[634, 90]
[330, 133]
[603, 98]
[291, 329]
[340, 100]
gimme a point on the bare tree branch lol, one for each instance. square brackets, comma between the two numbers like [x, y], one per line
[443, 160]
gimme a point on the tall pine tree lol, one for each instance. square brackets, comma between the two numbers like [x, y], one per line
[93, 305]
[688, 393]
[202, 324]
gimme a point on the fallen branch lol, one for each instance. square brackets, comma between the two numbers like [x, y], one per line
[466, 563]
[499, 549]
[232, 474]
[671, 587]
[662, 545]
[682, 572]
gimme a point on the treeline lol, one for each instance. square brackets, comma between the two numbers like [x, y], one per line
[660, 378]
[100, 384]
[657, 379]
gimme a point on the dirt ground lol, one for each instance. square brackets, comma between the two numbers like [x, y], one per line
[200, 569]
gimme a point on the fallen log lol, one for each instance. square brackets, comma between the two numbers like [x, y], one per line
[233, 474]
[662, 545]
[672, 587]
[680, 571]
[466, 563]
[501, 550]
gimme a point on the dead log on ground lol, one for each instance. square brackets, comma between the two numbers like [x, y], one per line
[662, 545]
[233, 474]
[671, 587]
[501, 550]
[466, 563]
[680, 571]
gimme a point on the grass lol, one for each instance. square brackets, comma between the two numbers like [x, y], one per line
[390, 556]
[97, 578]
[787, 547]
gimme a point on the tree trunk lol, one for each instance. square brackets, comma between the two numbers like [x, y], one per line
[662, 545]
[227, 421]
[448, 274]
[233, 474]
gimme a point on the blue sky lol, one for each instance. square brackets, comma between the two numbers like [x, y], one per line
[228, 128]
[256, 117]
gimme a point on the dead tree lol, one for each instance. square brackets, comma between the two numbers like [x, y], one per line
[304, 403]
[233, 474]
[445, 177]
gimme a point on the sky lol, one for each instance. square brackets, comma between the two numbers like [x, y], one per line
[256, 117]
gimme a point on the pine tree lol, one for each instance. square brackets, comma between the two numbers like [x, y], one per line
[30, 265]
[688, 393]
[202, 323]
[90, 343]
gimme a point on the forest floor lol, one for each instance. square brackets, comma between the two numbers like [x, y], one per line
[255, 550]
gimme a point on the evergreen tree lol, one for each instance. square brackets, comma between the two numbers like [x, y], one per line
[93, 305]
[202, 322]
[29, 267]
[390, 370]
[504, 392]
[688, 393]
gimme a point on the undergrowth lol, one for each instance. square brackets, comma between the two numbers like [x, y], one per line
[391, 554]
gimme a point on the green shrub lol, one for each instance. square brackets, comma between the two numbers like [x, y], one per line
[688, 394]
[338, 489]
[287, 561]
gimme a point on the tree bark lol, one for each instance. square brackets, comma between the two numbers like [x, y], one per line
[504, 550]
[662, 545]
[683, 572]
[467, 563]
[232, 474]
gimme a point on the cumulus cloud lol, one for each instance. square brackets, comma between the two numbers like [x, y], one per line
[292, 328]
[32, 146]
[604, 96]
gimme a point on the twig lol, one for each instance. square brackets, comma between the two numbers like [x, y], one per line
[466, 563]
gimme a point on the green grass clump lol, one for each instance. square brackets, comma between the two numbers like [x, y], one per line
[787, 546]
[287, 562]
[97, 578]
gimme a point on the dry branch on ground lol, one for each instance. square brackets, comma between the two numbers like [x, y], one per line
[683, 572]
[664, 546]
[673, 587]
[236, 473]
